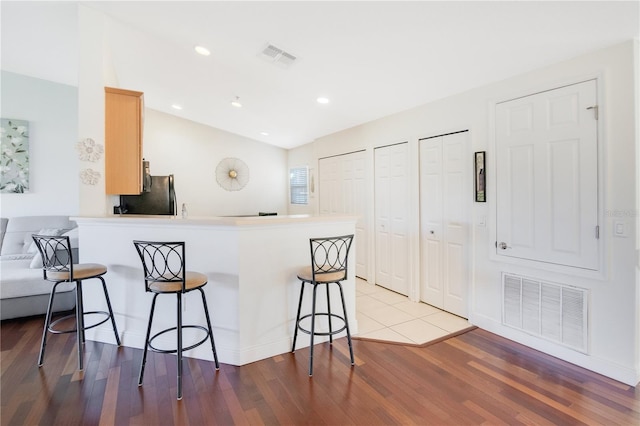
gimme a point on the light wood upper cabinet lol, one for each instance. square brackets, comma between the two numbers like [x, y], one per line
[123, 141]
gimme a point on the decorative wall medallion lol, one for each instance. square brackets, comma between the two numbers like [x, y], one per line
[14, 156]
[89, 176]
[89, 150]
[232, 174]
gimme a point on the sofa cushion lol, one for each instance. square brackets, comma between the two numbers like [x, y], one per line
[50, 232]
[36, 262]
[17, 256]
[19, 280]
[20, 229]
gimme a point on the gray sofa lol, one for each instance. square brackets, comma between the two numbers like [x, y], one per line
[23, 290]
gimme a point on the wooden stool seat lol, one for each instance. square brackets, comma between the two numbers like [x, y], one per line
[306, 274]
[193, 280]
[81, 271]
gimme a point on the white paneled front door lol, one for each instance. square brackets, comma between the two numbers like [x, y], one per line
[445, 194]
[391, 171]
[547, 176]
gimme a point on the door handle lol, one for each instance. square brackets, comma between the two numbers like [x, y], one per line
[503, 246]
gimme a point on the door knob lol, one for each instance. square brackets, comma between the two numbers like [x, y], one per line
[503, 245]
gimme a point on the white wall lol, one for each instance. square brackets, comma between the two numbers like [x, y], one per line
[614, 335]
[95, 71]
[637, 211]
[188, 150]
[169, 143]
[60, 115]
[191, 151]
[52, 112]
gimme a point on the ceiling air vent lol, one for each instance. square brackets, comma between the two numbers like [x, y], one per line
[277, 56]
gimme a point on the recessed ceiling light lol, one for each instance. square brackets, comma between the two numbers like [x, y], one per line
[264, 133]
[202, 50]
[236, 103]
[322, 100]
[176, 106]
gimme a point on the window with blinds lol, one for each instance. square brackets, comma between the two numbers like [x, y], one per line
[299, 185]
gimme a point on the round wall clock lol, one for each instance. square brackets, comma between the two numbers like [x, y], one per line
[232, 174]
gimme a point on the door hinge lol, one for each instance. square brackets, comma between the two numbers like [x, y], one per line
[597, 232]
[595, 111]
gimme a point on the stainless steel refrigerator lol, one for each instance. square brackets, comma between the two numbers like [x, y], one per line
[159, 200]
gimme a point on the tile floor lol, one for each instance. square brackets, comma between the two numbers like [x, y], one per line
[389, 316]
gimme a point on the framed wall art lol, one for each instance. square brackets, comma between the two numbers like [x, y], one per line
[14, 156]
[480, 180]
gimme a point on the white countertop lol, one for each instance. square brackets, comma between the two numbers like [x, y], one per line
[214, 220]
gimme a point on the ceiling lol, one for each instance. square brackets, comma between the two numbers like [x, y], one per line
[371, 59]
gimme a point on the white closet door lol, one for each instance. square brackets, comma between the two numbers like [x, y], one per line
[354, 184]
[546, 174]
[445, 191]
[431, 230]
[330, 194]
[343, 191]
[456, 190]
[391, 217]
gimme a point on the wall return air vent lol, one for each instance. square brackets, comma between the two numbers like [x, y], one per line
[277, 56]
[552, 311]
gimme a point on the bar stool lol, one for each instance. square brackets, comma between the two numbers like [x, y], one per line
[58, 267]
[164, 273]
[329, 258]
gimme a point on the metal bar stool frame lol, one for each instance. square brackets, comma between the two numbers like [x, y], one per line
[329, 261]
[165, 273]
[58, 267]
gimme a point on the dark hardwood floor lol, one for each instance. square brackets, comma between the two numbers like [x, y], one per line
[473, 378]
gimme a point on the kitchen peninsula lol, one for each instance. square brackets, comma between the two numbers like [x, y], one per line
[251, 264]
